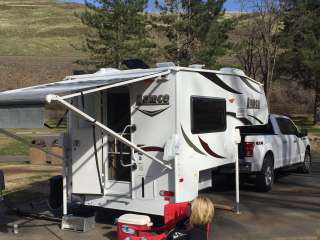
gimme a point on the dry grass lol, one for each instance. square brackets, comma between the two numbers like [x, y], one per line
[36, 38]
[39, 28]
[23, 176]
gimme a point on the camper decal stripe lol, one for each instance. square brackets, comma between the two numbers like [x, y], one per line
[152, 113]
[215, 79]
[245, 121]
[188, 141]
[152, 149]
[257, 119]
[208, 149]
[247, 82]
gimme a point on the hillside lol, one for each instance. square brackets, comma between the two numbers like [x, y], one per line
[35, 41]
[39, 28]
[36, 38]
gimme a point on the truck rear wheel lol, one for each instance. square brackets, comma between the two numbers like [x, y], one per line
[265, 178]
[306, 165]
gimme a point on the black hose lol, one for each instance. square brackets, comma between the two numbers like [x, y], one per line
[121, 152]
[63, 117]
[96, 156]
[60, 120]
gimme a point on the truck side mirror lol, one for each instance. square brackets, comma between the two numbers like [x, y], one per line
[303, 132]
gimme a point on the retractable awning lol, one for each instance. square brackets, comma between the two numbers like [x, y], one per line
[36, 95]
[24, 108]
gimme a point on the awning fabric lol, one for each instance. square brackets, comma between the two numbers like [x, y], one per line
[24, 108]
[36, 95]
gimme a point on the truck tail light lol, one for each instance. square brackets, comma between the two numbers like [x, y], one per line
[248, 149]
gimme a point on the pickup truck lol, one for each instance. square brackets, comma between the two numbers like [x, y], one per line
[266, 148]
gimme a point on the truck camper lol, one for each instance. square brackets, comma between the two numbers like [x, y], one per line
[140, 139]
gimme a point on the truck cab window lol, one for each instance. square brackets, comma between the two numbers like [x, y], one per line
[287, 127]
[208, 115]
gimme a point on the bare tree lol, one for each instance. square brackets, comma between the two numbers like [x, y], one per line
[258, 45]
[246, 45]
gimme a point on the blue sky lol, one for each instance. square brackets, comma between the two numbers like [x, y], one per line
[230, 5]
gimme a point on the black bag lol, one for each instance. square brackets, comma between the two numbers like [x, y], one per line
[2, 182]
[177, 235]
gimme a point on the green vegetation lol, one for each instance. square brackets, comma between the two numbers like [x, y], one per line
[39, 28]
[197, 31]
[306, 121]
[119, 31]
[190, 32]
[14, 148]
[301, 43]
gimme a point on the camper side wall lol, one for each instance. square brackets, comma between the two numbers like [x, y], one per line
[209, 108]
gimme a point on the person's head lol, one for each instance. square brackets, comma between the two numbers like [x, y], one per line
[202, 211]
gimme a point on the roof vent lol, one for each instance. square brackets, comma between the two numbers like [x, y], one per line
[107, 70]
[198, 66]
[233, 71]
[165, 64]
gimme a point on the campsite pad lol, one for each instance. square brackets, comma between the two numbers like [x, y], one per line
[290, 212]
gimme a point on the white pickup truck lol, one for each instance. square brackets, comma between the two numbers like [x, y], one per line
[265, 148]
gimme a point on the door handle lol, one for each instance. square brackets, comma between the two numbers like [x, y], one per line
[285, 142]
[295, 141]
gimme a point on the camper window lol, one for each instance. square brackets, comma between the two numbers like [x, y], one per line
[208, 114]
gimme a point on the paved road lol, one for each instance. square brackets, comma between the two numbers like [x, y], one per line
[291, 211]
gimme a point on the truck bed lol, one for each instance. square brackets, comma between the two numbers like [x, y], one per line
[253, 130]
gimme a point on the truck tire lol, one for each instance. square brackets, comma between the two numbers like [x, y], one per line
[306, 165]
[265, 178]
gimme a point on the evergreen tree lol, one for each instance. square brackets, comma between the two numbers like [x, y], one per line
[118, 31]
[196, 30]
[301, 41]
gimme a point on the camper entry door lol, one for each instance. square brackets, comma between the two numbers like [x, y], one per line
[118, 118]
[87, 167]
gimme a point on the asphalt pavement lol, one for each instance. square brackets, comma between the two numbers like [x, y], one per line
[291, 211]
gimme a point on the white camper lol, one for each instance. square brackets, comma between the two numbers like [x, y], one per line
[140, 139]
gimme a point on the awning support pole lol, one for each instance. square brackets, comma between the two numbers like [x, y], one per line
[237, 141]
[52, 97]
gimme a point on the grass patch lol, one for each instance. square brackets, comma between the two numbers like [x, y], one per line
[14, 148]
[28, 177]
[26, 182]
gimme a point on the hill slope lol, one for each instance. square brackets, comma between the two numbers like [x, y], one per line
[39, 28]
[35, 41]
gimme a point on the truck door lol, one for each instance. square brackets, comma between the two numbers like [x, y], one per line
[290, 140]
[296, 148]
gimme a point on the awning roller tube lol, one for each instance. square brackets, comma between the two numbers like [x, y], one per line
[82, 93]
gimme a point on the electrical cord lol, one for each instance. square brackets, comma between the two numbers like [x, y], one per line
[60, 120]
[96, 156]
